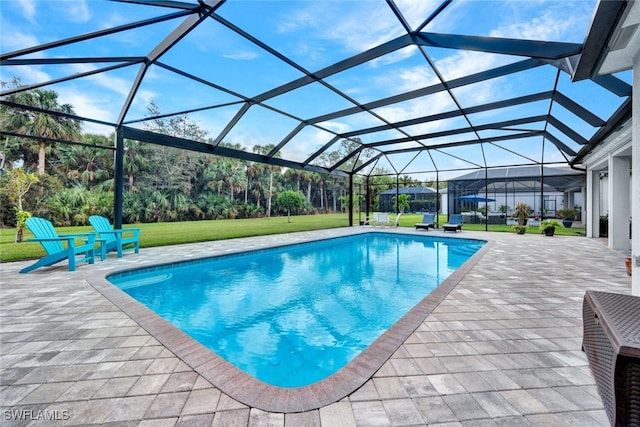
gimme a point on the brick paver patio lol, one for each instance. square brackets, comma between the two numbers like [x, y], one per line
[503, 348]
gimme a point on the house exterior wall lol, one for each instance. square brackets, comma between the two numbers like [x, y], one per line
[635, 179]
[614, 191]
[554, 201]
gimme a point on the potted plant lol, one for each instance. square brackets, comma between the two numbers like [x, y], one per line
[522, 212]
[519, 229]
[548, 227]
[604, 225]
[627, 264]
[567, 215]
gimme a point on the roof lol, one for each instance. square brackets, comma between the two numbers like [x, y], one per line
[340, 87]
[520, 179]
[410, 190]
[517, 173]
[613, 40]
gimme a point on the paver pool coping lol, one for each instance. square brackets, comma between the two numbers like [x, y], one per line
[254, 393]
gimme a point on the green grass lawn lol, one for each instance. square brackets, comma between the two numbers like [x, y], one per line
[171, 233]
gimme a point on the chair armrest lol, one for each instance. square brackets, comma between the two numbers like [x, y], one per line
[135, 231]
[52, 239]
[89, 238]
[78, 235]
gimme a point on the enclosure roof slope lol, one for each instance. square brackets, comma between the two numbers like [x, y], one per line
[613, 39]
[369, 87]
[519, 178]
[410, 190]
[518, 173]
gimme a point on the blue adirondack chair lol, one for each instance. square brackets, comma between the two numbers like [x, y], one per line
[51, 241]
[115, 240]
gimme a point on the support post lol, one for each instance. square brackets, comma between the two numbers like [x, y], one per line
[350, 207]
[486, 197]
[592, 204]
[397, 194]
[118, 178]
[437, 199]
[541, 191]
[367, 200]
[619, 203]
[635, 180]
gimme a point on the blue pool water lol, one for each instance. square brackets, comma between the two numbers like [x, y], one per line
[294, 315]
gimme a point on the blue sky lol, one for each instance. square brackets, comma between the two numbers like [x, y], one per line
[314, 34]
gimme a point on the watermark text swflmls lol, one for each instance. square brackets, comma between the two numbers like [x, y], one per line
[36, 415]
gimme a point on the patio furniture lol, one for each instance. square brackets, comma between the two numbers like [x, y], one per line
[51, 241]
[119, 240]
[382, 219]
[611, 342]
[454, 224]
[428, 221]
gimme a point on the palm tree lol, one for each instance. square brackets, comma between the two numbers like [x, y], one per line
[213, 174]
[309, 178]
[328, 160]
[38, 123]
[136, 159]
[237, 178]
[71, 206]
[235, 172]
[155, 205]
[265, 150]
[402, 202]
[88, 165]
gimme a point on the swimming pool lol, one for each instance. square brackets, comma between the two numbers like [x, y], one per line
[295, 315]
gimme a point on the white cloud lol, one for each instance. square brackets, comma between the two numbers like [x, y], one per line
[415, 11]
[106, 97]
[356, 26]
[104, 80]
[28, 74]
[395, 57]
[84, 105]
[419, 107]
[241, 55]
[28, 8]
[118, 85]
[299, 19]
[76, 11]
[464, 63]
[338, 127]
[566, 21]
[140, 38]
[548, 25]
[141, 102]
[13, 38]
[114, 19]
[411, 78]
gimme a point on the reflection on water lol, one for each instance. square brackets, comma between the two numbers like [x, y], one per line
[295, 315]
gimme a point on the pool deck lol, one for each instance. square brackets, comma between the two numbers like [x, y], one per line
[502, 348]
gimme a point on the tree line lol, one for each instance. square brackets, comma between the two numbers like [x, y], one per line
[68, 182]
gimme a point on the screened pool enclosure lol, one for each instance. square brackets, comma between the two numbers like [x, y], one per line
[545, 190]
[431, 89]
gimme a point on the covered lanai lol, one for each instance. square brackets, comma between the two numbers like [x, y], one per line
[546, 190]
